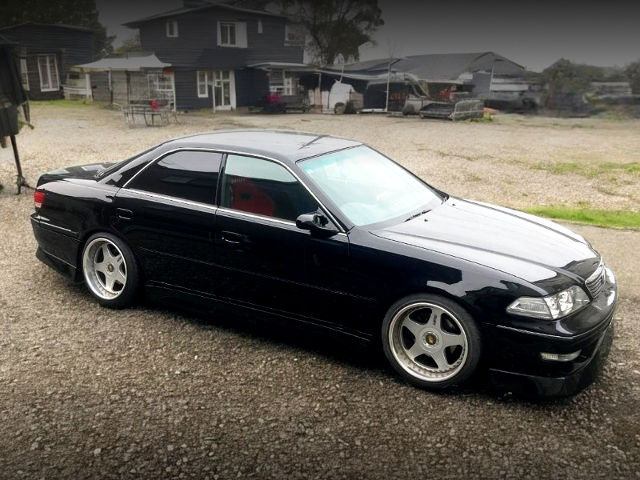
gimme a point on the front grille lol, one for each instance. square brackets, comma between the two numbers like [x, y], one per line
[595, 282]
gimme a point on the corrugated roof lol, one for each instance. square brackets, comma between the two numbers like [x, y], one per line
[437, 66]
[134, 64]
[183, 10]
[59, 25]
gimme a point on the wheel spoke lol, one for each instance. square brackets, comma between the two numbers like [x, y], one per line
[110, 281]
[451, 340]
[100, 267]
[413, 326]
[435, 320]
[119, 277]
[106, 254]
[440, 359]
[415, 351]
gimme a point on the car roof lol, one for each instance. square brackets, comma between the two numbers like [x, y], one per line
[286, 146]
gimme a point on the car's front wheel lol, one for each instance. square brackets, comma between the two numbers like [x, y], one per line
[431, 341]
[110, 270]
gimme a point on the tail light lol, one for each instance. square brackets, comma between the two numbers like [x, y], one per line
[38, 198]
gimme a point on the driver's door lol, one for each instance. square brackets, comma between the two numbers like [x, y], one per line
[263, 260]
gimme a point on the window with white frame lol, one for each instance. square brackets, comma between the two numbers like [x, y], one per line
[48, 70]
[172, 28]
[227, 34]
[24, 74]
[160, 85]
[294, 33]
[203, 87]
[232, 34]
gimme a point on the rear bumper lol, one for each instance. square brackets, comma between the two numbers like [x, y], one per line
[56, 250]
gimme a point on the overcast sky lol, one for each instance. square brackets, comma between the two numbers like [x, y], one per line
[528, 33]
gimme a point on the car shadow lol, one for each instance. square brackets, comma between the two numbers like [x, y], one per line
[337, 348]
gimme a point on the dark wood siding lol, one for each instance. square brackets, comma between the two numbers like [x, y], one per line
[33, 73]
[197, 32]
[187, 91]
[74, 47]
[251, 86]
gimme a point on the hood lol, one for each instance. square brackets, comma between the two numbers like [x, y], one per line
[516, 243]
[76, 171]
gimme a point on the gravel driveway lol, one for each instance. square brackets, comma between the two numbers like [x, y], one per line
[86, 392]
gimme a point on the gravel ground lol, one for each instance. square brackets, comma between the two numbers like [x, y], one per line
[86, 392]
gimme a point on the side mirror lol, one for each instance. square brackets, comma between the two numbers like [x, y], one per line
[316, 223]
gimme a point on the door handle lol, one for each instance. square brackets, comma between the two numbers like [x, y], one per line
[231, 238]
[124, 214]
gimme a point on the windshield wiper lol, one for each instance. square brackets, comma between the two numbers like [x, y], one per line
[417, 215]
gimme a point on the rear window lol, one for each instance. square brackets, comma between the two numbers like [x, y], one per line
[189, 175]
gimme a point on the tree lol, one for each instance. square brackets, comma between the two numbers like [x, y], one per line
[632, 72]
[131, 44]
[335, 26]
[79, 13]
[565, 76]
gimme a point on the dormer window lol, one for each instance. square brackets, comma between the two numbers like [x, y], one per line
[294, 34]
[232, 34]
[227, 34]
[172, 28]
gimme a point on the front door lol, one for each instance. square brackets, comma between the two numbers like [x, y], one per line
[263, 259]
[167, 214]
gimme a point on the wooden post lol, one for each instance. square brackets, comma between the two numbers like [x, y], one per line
[21, 181]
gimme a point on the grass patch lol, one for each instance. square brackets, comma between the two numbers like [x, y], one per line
[559, 168]
[60, 103]
[589, 171]
[600, 218]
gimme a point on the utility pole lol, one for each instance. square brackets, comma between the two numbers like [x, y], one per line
[386, 109]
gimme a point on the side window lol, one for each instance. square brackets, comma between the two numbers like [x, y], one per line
[262, 187]
[189, 175]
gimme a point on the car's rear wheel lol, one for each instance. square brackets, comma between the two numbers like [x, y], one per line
[431, 341]
[110, 270]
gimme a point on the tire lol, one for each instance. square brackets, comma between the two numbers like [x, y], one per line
[431, 341]
[110, 270]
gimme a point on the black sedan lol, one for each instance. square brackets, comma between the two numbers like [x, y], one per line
[330, 234]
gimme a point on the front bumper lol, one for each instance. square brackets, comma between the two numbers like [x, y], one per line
[515, 363]
[581, 374]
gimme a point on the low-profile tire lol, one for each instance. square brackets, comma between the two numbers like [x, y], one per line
[110, 270]
[431, 341]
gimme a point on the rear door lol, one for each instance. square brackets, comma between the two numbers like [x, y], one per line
[263, 259]
[167, 214]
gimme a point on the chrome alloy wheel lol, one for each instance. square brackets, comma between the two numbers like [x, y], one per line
[428, 342]
[105, 269]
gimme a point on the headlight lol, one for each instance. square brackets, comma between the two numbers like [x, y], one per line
[551, 307]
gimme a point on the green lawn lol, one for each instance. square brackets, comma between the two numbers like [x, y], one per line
[602, 218]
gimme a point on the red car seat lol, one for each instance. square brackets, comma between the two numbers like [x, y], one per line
[246, 197]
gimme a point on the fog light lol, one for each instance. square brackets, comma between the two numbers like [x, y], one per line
[560, 357]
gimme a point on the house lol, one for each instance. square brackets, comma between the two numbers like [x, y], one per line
[224, 56]
[123, 80]
[486, 71]
[487, 75]
[47, 53]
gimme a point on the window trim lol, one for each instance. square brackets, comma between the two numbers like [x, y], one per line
[206, 83]
[158, 159]
[294, 41]
[24, 73]
[175, 28]
[55, 64]
[235, 34]
[223, 165]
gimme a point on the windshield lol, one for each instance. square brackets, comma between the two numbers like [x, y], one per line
[367, 187]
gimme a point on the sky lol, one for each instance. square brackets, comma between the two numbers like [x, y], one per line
[529, 33]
